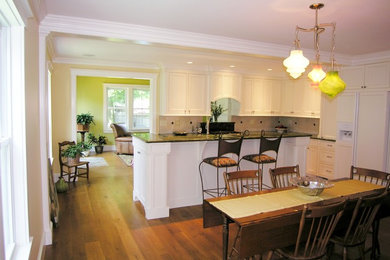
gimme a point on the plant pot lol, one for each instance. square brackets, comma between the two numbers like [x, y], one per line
[99, 148]
[86, 153]
[81, 127]
[73, 160]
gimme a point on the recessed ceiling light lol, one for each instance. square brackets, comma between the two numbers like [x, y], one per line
[269, 69]
[232, 66]
[142, 42]
[189, 62]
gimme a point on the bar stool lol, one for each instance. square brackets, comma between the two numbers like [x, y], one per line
[222, 161]
[266, 145]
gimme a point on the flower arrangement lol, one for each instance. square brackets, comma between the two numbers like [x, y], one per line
[216, 110]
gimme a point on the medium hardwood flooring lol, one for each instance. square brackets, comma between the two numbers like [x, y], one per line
[100, 220]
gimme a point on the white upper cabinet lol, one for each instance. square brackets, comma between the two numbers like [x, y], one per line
[225, 85]
[260, 96]
[375, 76]
[299, 99]
[185, 93]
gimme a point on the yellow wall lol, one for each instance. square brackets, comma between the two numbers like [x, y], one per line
[33, 158]
[61, 101]
[90, 100]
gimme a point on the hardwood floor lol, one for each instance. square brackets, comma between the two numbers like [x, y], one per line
[99, 220]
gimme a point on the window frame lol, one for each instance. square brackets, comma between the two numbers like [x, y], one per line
[13, 188]
[129, 105]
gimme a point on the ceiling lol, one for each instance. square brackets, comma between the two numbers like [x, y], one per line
[362, 28]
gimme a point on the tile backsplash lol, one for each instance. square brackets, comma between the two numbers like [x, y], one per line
[169, 124]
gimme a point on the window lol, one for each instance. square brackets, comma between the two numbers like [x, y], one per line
[14, 234]
[128, 105]
[141, 109]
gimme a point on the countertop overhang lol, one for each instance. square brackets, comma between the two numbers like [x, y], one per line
[162, 138]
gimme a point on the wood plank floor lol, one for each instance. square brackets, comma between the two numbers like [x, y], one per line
[100, 221]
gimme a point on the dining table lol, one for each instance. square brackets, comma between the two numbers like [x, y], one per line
[269, 219]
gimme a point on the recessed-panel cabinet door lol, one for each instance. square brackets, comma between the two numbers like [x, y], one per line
[258, 96]
[197, 94]
[246, 97]
[372, 130]
[177, 93]
[287, 105]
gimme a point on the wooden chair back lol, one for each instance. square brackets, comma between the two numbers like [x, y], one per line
[61, 147]
[239, 182]
[315, 228]
[280, 176]
[371, 176]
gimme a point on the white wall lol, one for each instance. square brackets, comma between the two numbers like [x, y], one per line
[34, 175]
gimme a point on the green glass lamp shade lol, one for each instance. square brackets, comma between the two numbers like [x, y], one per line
[332, 84]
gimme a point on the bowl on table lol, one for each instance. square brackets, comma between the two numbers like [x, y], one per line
[309, 185]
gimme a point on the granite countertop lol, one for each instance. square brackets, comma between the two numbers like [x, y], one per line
[323, 138]
[162, 138]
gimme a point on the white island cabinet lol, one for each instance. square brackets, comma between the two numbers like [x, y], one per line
[166, 171]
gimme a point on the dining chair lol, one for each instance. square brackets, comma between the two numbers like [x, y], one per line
[378, 178]
[241, 182]
[80, 169]
[280, 177]
[267, 145]
[359, 224]
[225, 147]
[316, 226]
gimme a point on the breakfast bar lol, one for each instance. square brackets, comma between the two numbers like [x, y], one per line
[166, 166]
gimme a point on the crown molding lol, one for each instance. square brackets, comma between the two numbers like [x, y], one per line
[132, 32]
[377, 57]
[106, 63]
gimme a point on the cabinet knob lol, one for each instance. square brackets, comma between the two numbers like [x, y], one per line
[138, 152]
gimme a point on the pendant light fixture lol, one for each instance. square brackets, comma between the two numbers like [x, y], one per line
[296, 62]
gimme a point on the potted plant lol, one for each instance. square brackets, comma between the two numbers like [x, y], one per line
[86, 148]
[216, 110]
[98, 141]
[83, 121]
[73, 153]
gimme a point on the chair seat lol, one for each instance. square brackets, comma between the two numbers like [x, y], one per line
[288, 253]
[259, 158]
[221, 161]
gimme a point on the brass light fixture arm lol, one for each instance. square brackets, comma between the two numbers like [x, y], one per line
[317, 29]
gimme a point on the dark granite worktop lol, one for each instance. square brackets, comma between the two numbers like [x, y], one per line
[162, 138]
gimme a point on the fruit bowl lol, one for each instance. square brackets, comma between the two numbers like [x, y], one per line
[312, 186]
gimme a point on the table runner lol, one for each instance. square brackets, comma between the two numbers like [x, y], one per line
[261, 203]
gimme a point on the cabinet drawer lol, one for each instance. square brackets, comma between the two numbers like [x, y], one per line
[324, 145]
[326, 157]
[326, 171]
[313, 142]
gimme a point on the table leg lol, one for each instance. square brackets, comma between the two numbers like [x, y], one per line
[225, 238]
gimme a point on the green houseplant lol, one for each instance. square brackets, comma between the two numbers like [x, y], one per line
[98, 141]
[216, 110]
[83, 121]
[73, 153]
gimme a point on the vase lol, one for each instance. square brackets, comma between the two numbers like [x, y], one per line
[99, 148]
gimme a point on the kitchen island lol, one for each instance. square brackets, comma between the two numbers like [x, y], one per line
[166, 171]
